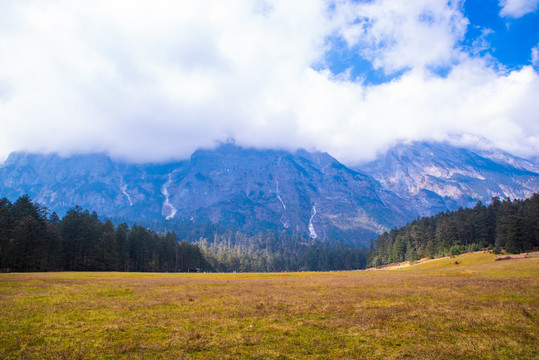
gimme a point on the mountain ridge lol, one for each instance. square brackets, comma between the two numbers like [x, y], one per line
[451, 177]
[250, 189]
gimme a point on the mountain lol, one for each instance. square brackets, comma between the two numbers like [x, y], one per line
[260, 190]
[310, 193]
[303, 192]
[434, 177]
[92, 181]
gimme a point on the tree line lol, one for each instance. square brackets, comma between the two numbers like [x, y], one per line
[279, 251]
[511, 225]
[32, 239]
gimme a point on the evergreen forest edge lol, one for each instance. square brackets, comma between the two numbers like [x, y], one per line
[32, 239]
[508, 225]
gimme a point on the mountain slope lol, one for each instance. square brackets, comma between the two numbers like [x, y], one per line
[261, 190]
[437, 176]
[92, 181]
[304, 192]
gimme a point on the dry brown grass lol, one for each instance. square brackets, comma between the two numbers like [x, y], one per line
[434, 313]
[519, 256]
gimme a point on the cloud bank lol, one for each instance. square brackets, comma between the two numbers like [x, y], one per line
[518, 8]
[154, 81]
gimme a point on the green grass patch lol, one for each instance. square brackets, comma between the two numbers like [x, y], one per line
[115, 293]
[477, 264]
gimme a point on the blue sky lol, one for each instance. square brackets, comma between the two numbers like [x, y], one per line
[510, 40]
[507, 40]
[155, 80]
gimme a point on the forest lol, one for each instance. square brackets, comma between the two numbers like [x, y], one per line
[32, 239]
[509, 225]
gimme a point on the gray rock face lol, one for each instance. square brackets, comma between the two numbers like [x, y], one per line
[435, 177]
[310, 193]
[92, 181]
[304, 192]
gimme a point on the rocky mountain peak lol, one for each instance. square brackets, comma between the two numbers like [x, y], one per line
[272, 190]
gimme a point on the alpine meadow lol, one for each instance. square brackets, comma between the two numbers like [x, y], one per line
[466, 307]
[269, 179]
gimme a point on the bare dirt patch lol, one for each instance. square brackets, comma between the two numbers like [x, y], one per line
[519, 256]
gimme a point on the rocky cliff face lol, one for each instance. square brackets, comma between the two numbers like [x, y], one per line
[310, 193]
[92, 181]
[435, 177]
[304, 192]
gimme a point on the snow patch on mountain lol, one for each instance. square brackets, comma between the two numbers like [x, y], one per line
[124, 191]
[277, 193]
[515, 161]
[312, 232]
[438, 176]
[168, 209]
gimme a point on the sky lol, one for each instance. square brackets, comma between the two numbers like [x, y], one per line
[152, 81]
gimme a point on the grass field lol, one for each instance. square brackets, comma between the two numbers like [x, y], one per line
[476, 309]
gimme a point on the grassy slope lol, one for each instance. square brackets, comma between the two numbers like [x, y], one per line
[478, 309]
[478, 263]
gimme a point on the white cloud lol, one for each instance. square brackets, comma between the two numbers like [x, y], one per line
[472, 101]
[517, 8]
[144, 80]
[535, 56]
[396, 35]
[152, 81]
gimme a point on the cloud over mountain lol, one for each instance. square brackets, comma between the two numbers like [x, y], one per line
[152, 81]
